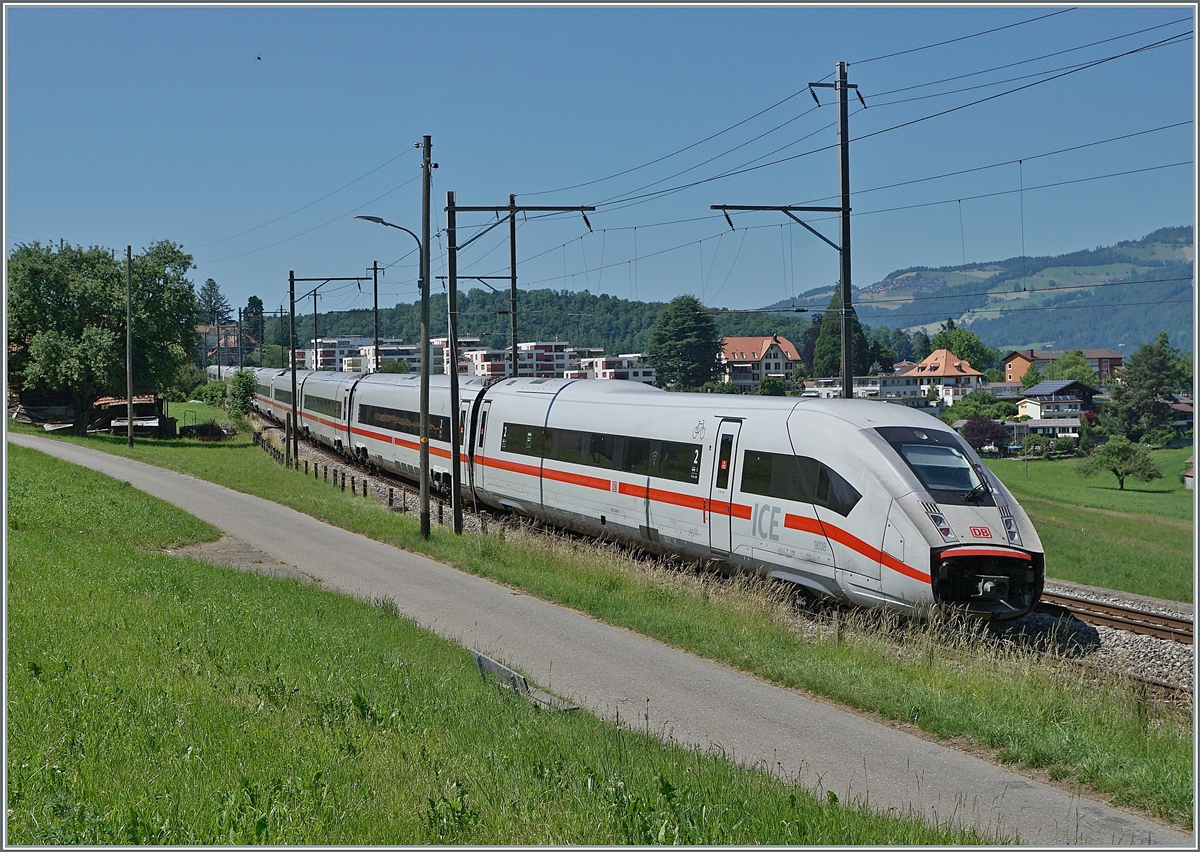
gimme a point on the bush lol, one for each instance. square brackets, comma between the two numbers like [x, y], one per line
[241, 393]
[212, 393]
[771, 386]
[188, 377]
[1160, 437]
[1064, 445]
[1034, 445]
[719, 387]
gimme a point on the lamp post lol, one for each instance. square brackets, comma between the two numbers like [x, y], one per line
[421, 285]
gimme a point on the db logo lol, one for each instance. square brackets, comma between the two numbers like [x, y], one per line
[981, 532]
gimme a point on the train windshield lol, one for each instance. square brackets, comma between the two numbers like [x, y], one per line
[938, 461]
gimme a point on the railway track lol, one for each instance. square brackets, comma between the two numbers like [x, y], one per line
[1170, 627]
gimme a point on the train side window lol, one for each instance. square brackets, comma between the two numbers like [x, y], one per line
[482, 426]
[833, 491]
[635, 457]
[321, 405]
[756, 472]
[724, 455]
[524, 440]
[680, 462]
[602, 450]
[568, 445]
[774, 475]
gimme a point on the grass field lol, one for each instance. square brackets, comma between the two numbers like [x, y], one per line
[1138, 540]
[1102, 736]
[158, 700]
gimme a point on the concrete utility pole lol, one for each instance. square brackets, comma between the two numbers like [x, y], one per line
[452, 343]
[426, 186]
[239, 338]
[512, 209]
[128, 340]
[842, 87]
[375, 277]
[293, 443]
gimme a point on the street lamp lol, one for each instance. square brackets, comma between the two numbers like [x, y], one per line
[421, 284]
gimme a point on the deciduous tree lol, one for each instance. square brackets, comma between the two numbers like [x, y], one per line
[1072, 366]
[1123, 459]
[979, 431]
[979, 402]
[66, 320]
[964, 344]
[1032, 377]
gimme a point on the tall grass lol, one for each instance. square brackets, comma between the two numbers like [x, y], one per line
[161, 700]
[1090, 730]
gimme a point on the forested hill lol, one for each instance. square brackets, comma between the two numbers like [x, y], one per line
[583, 319]
[1088, 298]
[1084, 299]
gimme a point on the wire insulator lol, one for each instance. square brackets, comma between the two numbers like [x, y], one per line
[860, 98]
[814, 94]
[730, 221]
[586, 222]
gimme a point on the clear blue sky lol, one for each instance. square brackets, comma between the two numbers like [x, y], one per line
[129, 125]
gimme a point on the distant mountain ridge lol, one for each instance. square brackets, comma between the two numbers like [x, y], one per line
[1047, 300]
[1088, 298]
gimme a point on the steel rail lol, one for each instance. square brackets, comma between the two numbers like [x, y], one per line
[1174, 628]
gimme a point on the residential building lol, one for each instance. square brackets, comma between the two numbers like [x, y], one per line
[886, 386]
[326, 353]
[746, 361]
[947, 375]
[633, 366]
[1056, 427]
[1184, 414]
[441, 346]
[1004, 391]
[550, 359]
[389, 353]
[1049, 407]
[220, 343]
[1104, 362]
[1060, 390]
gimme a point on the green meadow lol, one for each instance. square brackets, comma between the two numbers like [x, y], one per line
[1137, 540]
[160, 700]
[949, 683]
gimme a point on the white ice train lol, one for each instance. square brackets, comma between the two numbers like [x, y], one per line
[863, 501]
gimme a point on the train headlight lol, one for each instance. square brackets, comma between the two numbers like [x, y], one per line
[1014, 535]
[943, 527]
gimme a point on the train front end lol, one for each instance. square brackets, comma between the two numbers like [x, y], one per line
[985, 557]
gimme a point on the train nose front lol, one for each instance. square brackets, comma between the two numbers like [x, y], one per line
[991, 583]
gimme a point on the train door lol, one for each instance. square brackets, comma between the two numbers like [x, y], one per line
[479, 457]
[720, 500]
[464, 435]
[346, 419]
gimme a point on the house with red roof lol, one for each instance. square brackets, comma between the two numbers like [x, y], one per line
[746, 361]
[952, 377]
